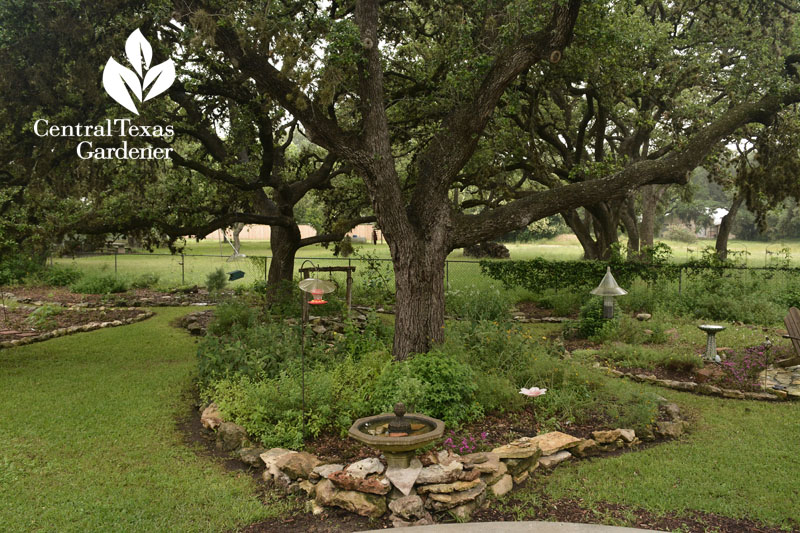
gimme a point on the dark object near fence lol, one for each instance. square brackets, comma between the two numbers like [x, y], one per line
[236, 274]
[792, 322]
[487, 249]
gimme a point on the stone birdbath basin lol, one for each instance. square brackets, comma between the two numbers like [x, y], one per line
[397, 434]
[711, 342]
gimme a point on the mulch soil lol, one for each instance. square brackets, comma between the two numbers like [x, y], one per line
[533, 310]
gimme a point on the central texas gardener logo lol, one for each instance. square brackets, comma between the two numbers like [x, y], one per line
[118, 80]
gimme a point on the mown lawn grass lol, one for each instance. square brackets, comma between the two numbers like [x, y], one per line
[739, 460]
[89, 441]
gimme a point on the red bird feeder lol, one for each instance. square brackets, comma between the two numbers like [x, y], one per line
[317, 300]
[317, 287]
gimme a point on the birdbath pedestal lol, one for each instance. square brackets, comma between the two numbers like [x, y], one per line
[711, 342]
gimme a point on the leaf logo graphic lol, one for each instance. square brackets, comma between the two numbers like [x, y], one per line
[120, 82]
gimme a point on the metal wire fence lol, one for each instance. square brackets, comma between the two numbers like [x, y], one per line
[192, 269]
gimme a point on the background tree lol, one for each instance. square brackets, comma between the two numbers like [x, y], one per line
[237, 157]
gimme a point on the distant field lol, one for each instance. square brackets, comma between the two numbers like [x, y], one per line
[205, 256]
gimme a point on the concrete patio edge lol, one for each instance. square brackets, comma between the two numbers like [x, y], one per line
[520, 527]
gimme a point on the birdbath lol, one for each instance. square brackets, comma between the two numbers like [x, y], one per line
[397, 435]
[711, 342]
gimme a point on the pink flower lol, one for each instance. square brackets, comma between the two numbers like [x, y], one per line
[533, 392]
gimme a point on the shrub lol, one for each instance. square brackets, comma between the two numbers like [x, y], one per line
[216, 280]
[434, 383]
[493, 250]
[103, 284]
[680, 234]
[58, 276]
[540, 274]
[42, 317]
[17, 266]
[344, 247]
[229, 315]
[145, 281]
[743, 367]
[726, 295]
[477, 304]
[258, 352]
[270, 409]
[591, 321]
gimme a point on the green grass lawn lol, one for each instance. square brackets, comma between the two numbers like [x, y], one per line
[89, 442]
[739, 460]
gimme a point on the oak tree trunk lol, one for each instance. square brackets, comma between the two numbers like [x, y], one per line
[237, 230]
[284, 241]
[631, 225]
[582, 230]
[419, 311]
[651, 195]
[725, 227]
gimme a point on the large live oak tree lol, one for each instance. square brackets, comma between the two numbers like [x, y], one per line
[400, 61]
[404, 93]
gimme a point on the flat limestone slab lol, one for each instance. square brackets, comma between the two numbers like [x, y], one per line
[548, 444]
[555, 441]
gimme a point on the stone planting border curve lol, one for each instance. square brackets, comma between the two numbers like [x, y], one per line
[448, 483]
[702, 388]
[91, 326]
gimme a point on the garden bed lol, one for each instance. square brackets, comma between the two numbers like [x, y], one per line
[443, 483]
[133, 298]
[22, 324]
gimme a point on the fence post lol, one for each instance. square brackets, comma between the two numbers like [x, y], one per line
[116, 252]
[680, 280]
[183, 269]
[265, 268]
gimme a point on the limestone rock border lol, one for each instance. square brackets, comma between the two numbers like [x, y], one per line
[91, 326]
[701, 388]
[450, 484]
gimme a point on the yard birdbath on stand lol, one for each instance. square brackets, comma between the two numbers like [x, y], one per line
[397, 435]
[711, 343]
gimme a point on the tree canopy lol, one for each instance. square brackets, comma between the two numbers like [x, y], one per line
[462, 121]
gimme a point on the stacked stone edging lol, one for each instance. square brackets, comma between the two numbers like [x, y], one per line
[770, 395]
[448, 483]
[91, 326]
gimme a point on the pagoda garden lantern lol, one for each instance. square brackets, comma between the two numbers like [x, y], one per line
[608, 289]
